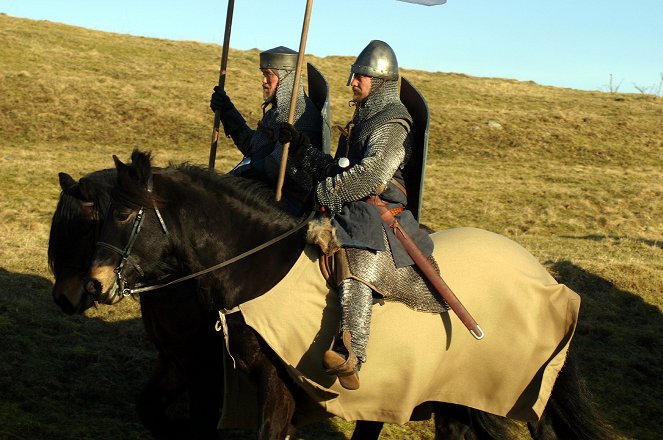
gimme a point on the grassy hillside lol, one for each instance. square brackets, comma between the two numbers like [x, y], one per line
[576, 177]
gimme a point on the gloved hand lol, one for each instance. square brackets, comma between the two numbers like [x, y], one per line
[298, 141]
[220, 100]
[288, 133]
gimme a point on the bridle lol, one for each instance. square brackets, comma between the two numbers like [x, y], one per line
[120, 289]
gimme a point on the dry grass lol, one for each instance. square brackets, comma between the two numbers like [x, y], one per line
[576, 177]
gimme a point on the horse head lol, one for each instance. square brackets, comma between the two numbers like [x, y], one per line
[74, 229]
[121, 260]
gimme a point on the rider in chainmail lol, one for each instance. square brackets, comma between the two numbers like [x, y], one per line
[369, 160]
[261, 148]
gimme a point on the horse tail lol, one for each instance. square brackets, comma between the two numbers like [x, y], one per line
[571, 412]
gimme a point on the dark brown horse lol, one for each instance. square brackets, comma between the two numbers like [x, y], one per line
[176, 318]
[179, 325]
[189, 219]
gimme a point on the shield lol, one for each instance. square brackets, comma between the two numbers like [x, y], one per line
[416, 167]
[318, 91]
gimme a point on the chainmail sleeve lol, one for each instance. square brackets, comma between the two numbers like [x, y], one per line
[385, 153]
[315, 162]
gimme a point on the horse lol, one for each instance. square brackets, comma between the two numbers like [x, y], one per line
[176, 322]
[188, 219]
[175, 318]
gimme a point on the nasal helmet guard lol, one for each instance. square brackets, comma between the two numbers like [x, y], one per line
[377, 60]
[280, 58]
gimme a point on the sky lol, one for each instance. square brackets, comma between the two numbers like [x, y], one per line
[605, 45]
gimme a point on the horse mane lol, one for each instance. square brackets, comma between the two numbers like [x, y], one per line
[251, 194]
[68, 218]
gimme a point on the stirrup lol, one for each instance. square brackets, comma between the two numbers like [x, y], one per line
[344, 368]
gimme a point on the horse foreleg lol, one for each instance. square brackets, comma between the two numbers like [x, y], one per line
[277, 404]
[205, 378]
[165, 384]
[276, 401]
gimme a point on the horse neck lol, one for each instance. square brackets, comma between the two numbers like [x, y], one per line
[234, 226]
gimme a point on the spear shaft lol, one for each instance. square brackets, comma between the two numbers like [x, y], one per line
[293, 99]
[222, 82]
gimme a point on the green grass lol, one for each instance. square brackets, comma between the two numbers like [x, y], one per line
[576, 177]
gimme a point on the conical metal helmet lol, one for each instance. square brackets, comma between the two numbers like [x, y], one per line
[377, 60]
[279, 58]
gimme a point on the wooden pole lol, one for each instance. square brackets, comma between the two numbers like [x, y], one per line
[222, 82]
[295, 90]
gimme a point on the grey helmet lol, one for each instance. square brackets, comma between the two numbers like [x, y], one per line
[280, 58]
[282, 61]
[377, 60]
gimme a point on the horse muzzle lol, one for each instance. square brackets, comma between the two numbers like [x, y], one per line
[70, 296]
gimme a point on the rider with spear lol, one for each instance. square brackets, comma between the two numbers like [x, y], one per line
[371, 155]
[261, 147]
[363, 189]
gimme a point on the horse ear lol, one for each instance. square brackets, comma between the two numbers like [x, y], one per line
[118, 162]
[125, 174]
[88, 194]
[87, 190]
[142, 163]
[66, 181]
[123, 170]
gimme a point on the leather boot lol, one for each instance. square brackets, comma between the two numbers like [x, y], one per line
[342, 365]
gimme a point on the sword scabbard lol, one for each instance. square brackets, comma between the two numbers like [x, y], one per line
[427, 268]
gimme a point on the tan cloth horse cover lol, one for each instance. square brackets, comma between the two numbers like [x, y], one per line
[414, 357]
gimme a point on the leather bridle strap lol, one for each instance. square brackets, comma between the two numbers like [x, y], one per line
[126, 252]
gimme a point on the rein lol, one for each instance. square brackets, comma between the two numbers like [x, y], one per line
[227, 262]
[126, 252]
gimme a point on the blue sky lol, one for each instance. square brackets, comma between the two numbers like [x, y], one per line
[565, 43]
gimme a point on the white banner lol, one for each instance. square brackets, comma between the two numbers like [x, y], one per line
[425, 2]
